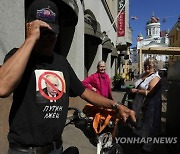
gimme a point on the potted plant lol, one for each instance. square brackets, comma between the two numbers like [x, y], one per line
[118, 81]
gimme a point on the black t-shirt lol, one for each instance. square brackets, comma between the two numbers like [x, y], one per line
[40, 102]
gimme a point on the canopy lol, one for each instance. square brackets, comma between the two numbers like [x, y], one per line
[157, 51]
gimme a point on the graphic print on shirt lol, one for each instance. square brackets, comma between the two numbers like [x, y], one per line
[50, 86]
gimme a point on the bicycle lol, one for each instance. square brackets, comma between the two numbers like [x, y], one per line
[104, 140]
[128, 97]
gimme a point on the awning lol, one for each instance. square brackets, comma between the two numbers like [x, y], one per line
[92, 26]
[122, 47]
[161, 50]
[157, 51]
[114, 52]
[68, 11]
[123, 53]
[106, 43]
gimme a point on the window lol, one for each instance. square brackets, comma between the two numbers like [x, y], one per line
[153, 32]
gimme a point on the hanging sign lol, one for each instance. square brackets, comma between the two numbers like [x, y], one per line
[121, 19]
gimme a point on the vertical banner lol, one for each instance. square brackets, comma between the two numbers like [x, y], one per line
[121, 19]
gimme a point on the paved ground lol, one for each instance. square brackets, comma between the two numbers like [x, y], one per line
[74, 136]
[71, 135]
[5, 104]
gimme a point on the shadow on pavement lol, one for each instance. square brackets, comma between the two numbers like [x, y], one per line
[125, 131]
[87, 131]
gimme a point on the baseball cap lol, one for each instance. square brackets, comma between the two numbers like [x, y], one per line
[46, 11]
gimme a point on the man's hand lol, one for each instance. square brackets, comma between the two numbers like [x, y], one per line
[124, 113]
[33, 28]
[134, 90]
[103, 102]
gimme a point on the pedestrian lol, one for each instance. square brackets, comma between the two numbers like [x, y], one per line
[147, 103]
[132, 76]
[36, 127]
[99, 81]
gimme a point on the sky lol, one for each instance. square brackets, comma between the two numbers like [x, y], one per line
[143, 10]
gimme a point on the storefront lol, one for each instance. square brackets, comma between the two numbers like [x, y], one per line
[80, 37]
[93, 37]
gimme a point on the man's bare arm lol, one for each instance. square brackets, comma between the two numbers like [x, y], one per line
[12, 70]
[101, 101]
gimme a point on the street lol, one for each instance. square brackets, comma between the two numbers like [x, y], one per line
[72, 136]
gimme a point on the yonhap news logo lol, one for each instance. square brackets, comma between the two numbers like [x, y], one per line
[141, 140]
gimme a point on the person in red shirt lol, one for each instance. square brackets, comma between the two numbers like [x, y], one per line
[99, 81]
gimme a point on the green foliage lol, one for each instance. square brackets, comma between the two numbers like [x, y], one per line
[118, 77]
[118, 81]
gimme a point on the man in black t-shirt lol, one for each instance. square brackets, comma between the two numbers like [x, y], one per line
[37, 126]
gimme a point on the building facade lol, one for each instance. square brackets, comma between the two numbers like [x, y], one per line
[88, 32]
[154, 38]
[174, 36]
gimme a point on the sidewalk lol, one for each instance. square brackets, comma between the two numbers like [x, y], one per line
[5, 104]
[71, 135]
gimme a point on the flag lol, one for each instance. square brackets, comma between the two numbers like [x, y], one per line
[134, 17]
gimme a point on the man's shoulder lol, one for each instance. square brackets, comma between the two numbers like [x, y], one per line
[60, 57]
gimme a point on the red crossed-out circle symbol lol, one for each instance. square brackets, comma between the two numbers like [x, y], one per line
[59, 93]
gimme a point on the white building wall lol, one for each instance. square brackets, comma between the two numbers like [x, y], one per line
[94, 6]
[153, 30]
[12, 23]
[12, 30]
[76, 53]
[106, 25]
[108, 63]
[113, 69]
[100, 13]
[153, 39]
[97, 58]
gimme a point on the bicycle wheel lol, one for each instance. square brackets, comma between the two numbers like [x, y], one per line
[116, 149]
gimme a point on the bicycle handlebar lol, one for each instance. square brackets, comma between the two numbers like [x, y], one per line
[77, 115]
[132, 123]
[81, 116]
[129, 120]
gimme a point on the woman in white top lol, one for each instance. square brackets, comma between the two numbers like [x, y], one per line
[147, 103]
